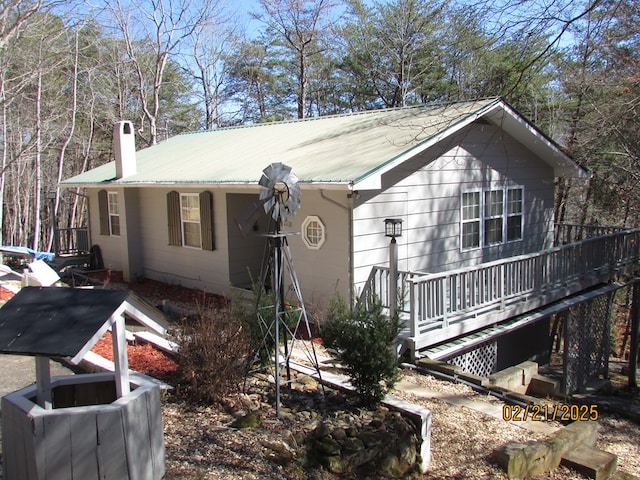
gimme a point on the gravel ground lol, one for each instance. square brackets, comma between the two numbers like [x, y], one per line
[200, 443]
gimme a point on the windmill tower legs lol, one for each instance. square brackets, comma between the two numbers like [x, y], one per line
[282, 322]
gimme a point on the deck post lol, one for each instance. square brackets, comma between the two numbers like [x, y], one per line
[393, 277]
[412, 310]
[635, 328]
[43, 382]
[121, 362]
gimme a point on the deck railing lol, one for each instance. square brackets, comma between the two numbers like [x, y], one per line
[570, 232]
[442, 300]
[72, 241]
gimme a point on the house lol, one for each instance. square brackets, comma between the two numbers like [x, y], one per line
[472, 182]
[481, 267]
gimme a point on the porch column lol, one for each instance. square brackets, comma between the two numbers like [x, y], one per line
[393, 277]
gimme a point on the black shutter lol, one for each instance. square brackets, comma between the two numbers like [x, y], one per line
[173, 217]
[206, 221]
[103, 208]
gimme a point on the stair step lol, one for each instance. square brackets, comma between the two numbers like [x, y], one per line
[591, 462]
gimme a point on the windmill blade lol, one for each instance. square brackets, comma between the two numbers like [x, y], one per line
[266, 193]
[266, 182]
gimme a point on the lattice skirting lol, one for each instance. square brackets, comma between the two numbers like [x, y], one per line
[482, 360]
[586, 346]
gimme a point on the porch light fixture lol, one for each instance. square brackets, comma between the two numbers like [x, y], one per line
[393, 227]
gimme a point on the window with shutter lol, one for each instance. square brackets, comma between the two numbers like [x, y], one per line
[190, 220]
[206, 221]
[103, 208]
[173, 217]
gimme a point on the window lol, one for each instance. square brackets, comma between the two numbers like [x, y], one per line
[493, 212]
[114, 216]
[109, 213]
[470, 220]
[190, 219]
[313, 232]
[514, 214]
[190, 216]
[491, 216]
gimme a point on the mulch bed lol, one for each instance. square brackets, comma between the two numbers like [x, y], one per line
[5, 294]
[156, 291]
[143, 358]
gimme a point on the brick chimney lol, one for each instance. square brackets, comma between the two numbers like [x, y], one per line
[124, 149]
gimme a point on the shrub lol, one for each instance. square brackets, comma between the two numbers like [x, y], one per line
[364, 339]
[212, 355]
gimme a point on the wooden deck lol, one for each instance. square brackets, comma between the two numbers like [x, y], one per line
[440, 306]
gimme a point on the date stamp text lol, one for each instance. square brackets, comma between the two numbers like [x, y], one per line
[560, 412]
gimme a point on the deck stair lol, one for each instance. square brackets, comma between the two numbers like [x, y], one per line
[459, 345]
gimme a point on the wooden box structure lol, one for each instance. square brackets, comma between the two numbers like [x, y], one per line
[78, 426]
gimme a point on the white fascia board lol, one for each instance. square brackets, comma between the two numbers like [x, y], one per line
[98, 334]
[503, 116]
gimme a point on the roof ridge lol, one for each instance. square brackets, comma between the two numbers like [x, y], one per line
[344, 114]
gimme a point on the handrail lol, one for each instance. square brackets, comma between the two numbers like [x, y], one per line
[572, 232]
[71, 241]
[438, 300]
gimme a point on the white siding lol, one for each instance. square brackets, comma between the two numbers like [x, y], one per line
[480, 157]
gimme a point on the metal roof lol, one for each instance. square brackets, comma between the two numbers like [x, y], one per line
[341, 149]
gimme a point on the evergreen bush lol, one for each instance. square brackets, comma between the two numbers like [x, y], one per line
[364, 339]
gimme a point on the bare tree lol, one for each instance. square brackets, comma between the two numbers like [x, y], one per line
[14, 14]
[152, 32]
[213, 43]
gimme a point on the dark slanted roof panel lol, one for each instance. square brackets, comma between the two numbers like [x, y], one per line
[56, 322]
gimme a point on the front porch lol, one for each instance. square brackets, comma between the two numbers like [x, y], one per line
[441, 306]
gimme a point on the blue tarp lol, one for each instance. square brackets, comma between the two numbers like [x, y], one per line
[47, 256]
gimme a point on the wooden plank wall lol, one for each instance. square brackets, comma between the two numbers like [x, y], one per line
[121, 440]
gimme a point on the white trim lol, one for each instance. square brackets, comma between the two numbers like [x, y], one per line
[320, 227]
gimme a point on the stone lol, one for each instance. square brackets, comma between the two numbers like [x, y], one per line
[279, 452]
[327, 446]
[339, 434]
[352, 445]
[541, 386]
[246, 421]
[361, 458]
[521, 460]
[591, 462]
[351, 432]
[335, 464]
[370, 439]
[322, 430]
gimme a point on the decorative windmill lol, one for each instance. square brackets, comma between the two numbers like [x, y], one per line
[279, 320]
